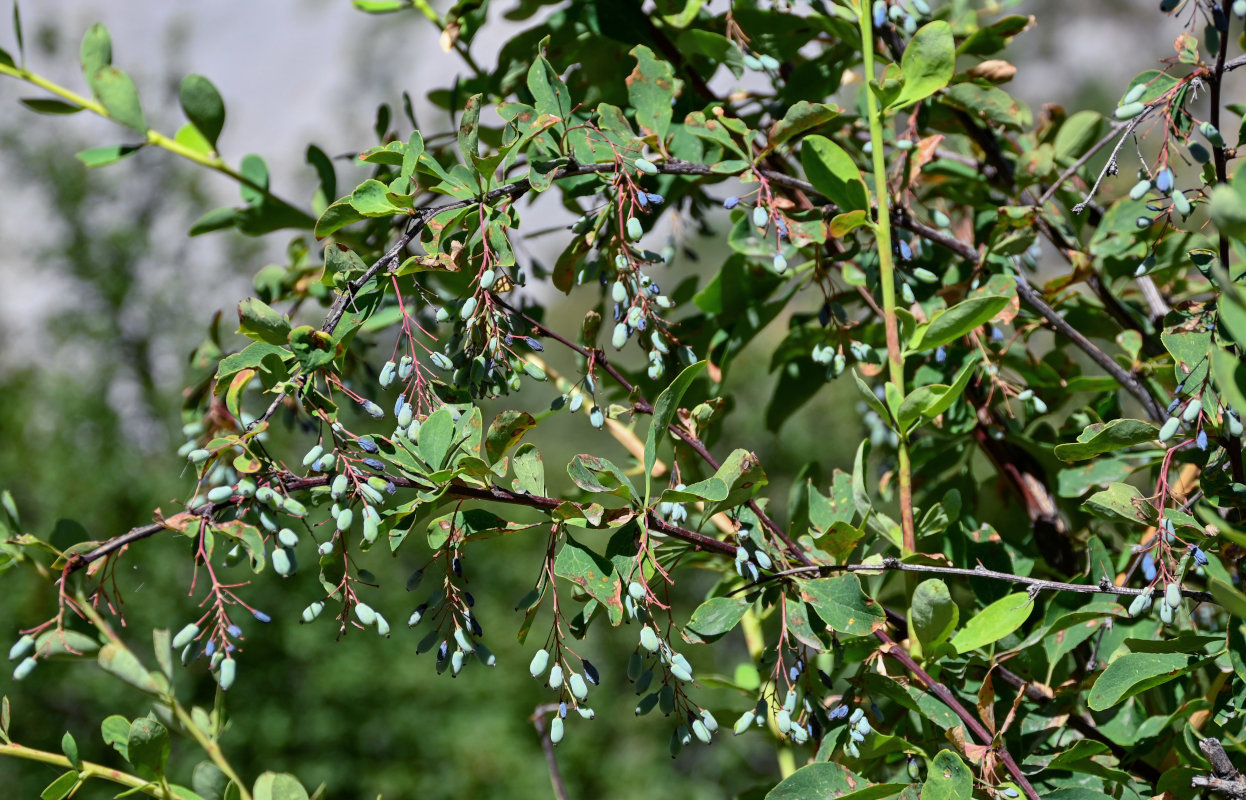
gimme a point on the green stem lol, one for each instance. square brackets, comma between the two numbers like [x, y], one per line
[153, 137]
[88, 771]
[886, 268]
[432, 16]
[210, 747]
[207, 744]
[755, 641]
[428, 11]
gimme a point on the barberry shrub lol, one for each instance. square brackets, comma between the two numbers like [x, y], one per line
[1023, 582]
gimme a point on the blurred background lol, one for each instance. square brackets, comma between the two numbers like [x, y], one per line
[105, 297]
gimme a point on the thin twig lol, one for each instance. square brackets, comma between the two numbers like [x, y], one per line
[343, 300]
[1220, 786]
[496, 494]
[1110, 168]
[1034, 299]
[1104, 586]
[678, 167]
[894, 651]
[542, 732]
[672, 166]
[699, 541]
[642, 406]
[1078, 164]
[1126, 379]
[1220, 763]
[1226, 779]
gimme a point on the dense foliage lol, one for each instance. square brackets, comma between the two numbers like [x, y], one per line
[1026, 583]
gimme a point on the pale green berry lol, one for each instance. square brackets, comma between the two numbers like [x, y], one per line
[649, 639]
[539, 662]
[312, 611]
[228, 671]
[184, 637]
[365, 614]
[742, 724]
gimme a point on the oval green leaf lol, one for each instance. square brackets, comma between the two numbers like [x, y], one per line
[663, 413]
[833, 173]
[123, 664]
[278, 786]
[96, 51]
[715, 617]
[1133, 673]
[203, 106]
[259, 321]
[108, 154]
[994, 622]
[928, 63]
[148, 747]
[46, 105]
[825, 779]
[842, 605]
[948, 779]
[935, 614]
[952, 323]
[119, 96]
[1104, 437]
